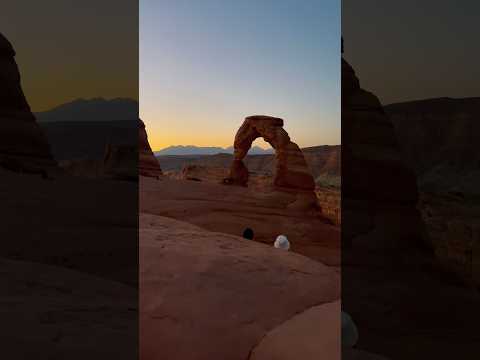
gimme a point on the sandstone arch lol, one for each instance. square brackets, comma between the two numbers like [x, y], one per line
[291, 170]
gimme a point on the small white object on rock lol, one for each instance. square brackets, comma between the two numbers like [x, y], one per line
[282, 242]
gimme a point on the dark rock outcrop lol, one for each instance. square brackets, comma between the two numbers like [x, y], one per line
[23, 146]
[147, 163]
[121, 162]
[439, 140]
[379, 191]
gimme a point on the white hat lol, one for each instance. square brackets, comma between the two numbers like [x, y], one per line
[282, 242]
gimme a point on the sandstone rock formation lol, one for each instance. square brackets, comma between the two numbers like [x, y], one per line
[57, 313]
[291, 170]
[329, 200]
[121, 162]
[298, 338]
[208, 295]
[389, 289]
[438, 133]
[23, 146]
[203, 173]
[324, 161]
[230, 209]
[439, 139]
[147, 163]
[379, 191]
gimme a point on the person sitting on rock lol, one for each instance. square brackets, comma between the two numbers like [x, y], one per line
[282, 242]
[248, 234]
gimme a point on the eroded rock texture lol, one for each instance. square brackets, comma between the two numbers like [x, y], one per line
[147, 165]
[291, 170]
[23, 146]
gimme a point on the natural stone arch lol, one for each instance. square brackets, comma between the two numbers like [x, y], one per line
[291, 170]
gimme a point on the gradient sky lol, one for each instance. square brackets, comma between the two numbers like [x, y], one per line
[411, 50]
[69, 49]
[206, 65]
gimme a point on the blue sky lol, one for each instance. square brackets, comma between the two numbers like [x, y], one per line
[207, 64]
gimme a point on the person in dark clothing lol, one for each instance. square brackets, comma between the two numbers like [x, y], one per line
[248, 234]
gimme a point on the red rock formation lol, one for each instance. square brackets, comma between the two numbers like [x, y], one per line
[257, 288]
[230, 209]
[329, 201]
[120, 162]
[291, 170]
[23, 146]
[379, 191]
[147, 164]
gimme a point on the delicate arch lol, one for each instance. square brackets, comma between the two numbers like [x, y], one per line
[291, 170]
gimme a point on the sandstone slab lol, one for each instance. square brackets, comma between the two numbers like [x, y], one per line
[207, 295]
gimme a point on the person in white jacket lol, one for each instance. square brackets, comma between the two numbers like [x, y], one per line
[282, 242]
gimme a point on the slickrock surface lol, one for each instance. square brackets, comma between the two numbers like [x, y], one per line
[231, 209]
[83, 224]
[208, 295]
[314, 334]
[47, 309]
[323, 161]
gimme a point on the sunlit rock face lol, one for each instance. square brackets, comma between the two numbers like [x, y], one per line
[291, 169]
[23, 145]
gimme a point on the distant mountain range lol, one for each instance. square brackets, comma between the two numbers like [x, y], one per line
[207, 150]
[83, 128]
[96, 109]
